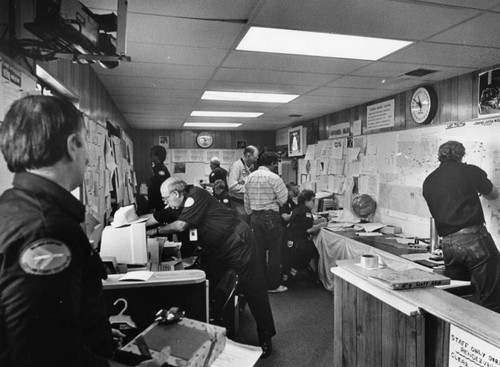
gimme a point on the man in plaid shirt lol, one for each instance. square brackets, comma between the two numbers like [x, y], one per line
[265, 192]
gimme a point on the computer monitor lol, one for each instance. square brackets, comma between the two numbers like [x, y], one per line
[127, 244]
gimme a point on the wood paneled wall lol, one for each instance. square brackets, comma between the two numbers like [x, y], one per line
[457, 99]
[144, 140]
[94, 99]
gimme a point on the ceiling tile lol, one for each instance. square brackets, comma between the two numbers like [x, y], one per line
[280, 62]
[447, 55]
[374, 18]
[479, 31]
[271, 77]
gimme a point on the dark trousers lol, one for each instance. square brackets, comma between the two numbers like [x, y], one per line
[286, 254]
[475, 257]
[268, 230]
[243, 258]
[302, 252]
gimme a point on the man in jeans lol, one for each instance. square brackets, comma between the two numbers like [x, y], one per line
[452, 193]
[265, 192]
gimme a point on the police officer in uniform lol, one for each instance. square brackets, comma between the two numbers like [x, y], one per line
[228, 239]
[52, 310]
[218, 173]
[220, 193]
[301, 227]
[160, 174]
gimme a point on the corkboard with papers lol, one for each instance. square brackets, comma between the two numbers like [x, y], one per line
[392, 166]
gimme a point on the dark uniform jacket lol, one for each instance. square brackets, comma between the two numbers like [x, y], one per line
[301, 220]
[52, 310]
[214, 223]
[160, 174]
[288, 207]
[223, 198]
[218, 173]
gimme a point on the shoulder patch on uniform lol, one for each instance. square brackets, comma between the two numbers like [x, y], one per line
[309, 215]
[225, 201]
[161, 173]
[189, 202]
[45, 257]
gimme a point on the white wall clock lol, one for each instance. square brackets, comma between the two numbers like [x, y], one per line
[423, 105]
[204, 139]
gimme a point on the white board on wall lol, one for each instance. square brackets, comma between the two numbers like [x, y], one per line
[406, 158]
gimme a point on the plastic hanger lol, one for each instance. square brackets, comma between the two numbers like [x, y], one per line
[121, 318]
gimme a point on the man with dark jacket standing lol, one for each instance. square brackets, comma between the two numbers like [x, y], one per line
[160, 174]
[52, 309]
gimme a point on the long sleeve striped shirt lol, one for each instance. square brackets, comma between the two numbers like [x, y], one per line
[264, 190]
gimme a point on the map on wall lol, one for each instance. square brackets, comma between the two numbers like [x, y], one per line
[404, 159]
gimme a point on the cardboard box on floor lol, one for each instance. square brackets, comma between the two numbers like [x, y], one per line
[193, 343]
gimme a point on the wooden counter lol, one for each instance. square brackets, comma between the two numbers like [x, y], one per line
[376, 326]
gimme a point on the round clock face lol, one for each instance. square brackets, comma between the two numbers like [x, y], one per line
[423, 105]
[204, 139]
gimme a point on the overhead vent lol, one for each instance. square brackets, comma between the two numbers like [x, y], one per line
[418, 73]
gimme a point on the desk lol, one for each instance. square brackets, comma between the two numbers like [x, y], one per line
[187, 289]
[334, 246]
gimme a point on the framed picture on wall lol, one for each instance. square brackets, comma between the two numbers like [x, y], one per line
[489, 93]
[164, 142]
[297, 141]
[241, 144]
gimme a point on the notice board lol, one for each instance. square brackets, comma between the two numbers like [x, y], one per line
[392, 167]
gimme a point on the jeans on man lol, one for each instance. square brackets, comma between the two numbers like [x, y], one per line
[475, 257]
[268, 230]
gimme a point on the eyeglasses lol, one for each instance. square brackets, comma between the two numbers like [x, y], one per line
[167, 196]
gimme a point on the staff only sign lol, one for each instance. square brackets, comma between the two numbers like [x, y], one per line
[466, 350]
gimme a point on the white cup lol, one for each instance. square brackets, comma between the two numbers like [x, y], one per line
[369, 261]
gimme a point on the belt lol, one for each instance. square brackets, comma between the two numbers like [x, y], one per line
[263, 212]
[468, 230]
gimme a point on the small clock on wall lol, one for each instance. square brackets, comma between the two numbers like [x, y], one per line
[423, 105]
[204, 139]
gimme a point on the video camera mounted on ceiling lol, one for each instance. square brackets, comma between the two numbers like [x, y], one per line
[67, 29]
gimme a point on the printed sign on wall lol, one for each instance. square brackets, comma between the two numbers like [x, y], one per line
[467, 350]
[380, 115]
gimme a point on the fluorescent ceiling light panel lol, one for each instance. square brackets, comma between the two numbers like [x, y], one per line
[211, 124]
[249, 97]
[226, 114]
[284, 41]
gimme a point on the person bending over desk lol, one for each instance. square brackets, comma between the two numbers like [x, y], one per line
[229, 240]
[299, 231]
